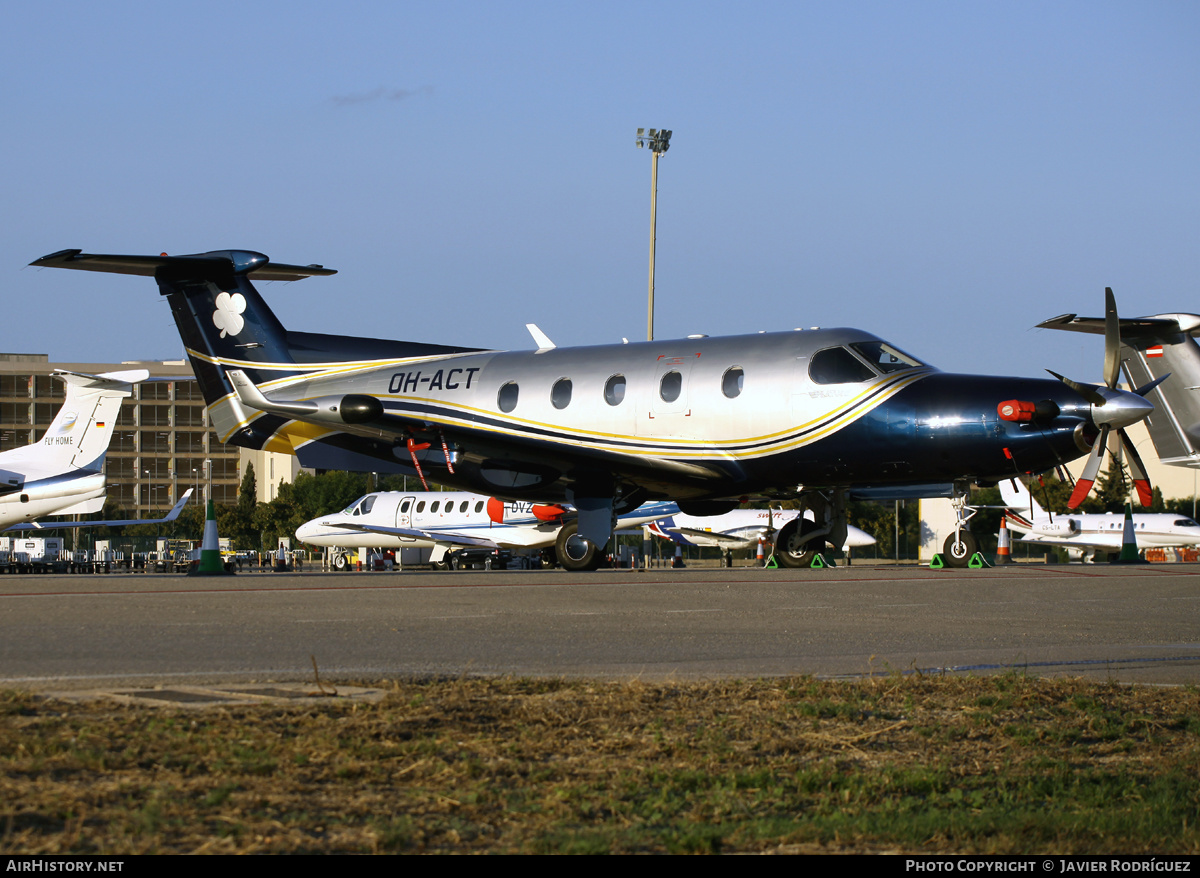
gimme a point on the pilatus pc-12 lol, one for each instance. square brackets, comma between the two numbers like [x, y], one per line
[818, 415]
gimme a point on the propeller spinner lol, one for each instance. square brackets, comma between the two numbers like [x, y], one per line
[1112, 409]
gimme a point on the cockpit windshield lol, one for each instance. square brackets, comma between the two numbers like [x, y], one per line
[884, 357]
[361, 506]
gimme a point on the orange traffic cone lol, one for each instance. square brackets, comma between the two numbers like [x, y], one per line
[1002, 550]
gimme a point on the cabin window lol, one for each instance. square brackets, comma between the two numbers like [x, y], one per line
[670, 386]
[731, 381]
[507, 397]
[436, 504]
[479, 506]
[405, 505]
[838, 366]
[421, 506]
[462, 507]
[560, 394]
[614, 390]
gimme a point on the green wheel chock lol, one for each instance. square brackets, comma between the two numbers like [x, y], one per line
[771, 564]
[978, 562]
[936, 563]
[820, 561]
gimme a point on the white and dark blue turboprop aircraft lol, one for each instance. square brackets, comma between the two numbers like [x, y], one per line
[820, 415]
[63, 472]
[450, 521]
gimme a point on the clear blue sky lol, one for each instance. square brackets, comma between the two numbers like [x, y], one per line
[943, 174]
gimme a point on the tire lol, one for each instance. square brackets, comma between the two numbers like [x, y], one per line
[339, 563]
[790, 551]
[575, 552]
[444, 564]
[958, 553]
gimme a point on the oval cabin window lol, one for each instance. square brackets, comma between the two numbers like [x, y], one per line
[560, 394]
[506, 399]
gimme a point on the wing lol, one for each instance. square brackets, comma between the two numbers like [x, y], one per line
[433, 536]
[55, 525]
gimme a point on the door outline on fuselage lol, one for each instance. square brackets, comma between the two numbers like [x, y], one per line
[670, 418]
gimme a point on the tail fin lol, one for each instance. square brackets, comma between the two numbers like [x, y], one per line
[221, 318]
[1153, 348]
[1017, 498]
[78, 437]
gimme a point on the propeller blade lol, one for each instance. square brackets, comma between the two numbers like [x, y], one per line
[1137, 470]
[1112, 340]
[1084, 485]
[1146, 388]
[1087, 391]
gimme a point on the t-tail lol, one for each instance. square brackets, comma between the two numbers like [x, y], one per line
[77, 439]
[226, 326]
[222, 319]
[1160, 348]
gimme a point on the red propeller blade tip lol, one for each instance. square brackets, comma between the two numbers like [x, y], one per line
[1080, 493]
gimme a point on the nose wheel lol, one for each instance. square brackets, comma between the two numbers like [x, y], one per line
[959, 547]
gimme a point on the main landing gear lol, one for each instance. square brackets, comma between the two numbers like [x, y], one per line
[800, 540]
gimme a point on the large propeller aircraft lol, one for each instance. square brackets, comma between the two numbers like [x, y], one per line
[822, 416]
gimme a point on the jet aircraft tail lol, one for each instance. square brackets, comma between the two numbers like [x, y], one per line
[78, 437]
[1020, 501]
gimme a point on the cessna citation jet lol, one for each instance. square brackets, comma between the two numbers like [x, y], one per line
[63, 472]
[451, 521]
[1083, 535]
[819, 415]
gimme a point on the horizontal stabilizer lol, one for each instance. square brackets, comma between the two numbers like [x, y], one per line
[217, 262]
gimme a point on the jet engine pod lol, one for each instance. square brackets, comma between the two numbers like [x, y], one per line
[358, 408]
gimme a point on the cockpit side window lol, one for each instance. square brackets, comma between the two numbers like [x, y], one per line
[838, 366]
[884, 357]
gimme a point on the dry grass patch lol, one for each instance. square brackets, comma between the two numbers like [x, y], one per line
[1000, 764]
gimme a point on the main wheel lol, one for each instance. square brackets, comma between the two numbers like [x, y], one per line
[575, 552]
[339, 563]
[958, 552]
[790, 547]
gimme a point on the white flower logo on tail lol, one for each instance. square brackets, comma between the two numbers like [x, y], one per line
[228, 316]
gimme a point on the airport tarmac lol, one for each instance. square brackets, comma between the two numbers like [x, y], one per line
[1129, 624]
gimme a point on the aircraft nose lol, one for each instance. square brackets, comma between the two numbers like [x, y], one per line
[306, 531]
[1121, 408]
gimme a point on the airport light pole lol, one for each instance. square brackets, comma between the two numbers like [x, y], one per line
[659, 141]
